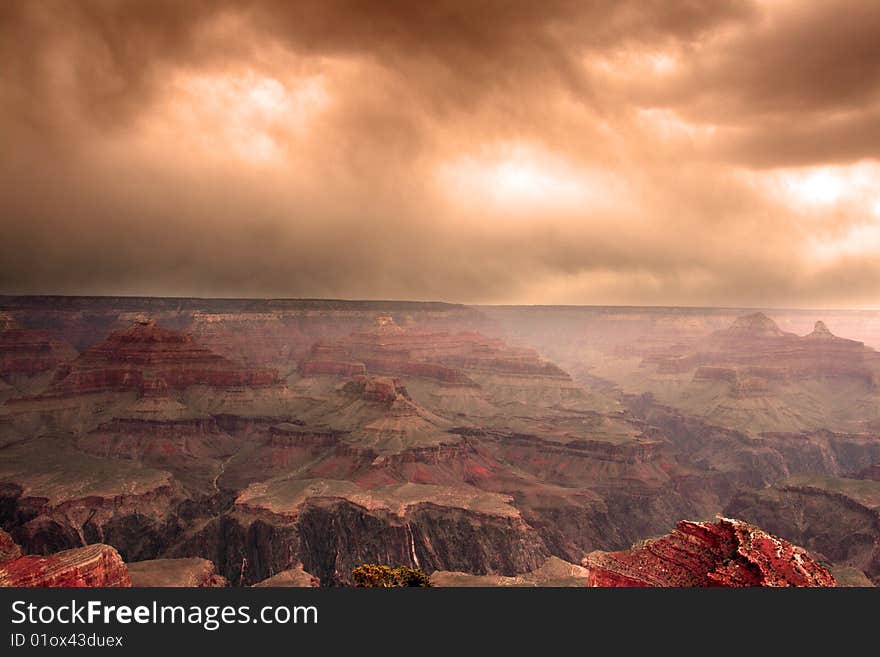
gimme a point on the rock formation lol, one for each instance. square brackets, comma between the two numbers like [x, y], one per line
[332, 526]
[93, 565]
[728, 553]
[146, 355]
[54, 497]
[193, 572]
[448, 358]
[754, 377]
[754, 325]
[821, 332]
[295, 577]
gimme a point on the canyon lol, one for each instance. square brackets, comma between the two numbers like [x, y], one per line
[285, 442]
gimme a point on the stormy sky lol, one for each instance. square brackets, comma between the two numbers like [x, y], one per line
[481, 151]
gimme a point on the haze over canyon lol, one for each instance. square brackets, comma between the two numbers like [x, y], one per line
[281, 441]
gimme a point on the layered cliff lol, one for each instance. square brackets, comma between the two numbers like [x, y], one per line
[377, 413]
[262, 332]
[93, 565]
[332, 526]
[728, 553]
[160, 432]
[145, 376]
[54, 497]
[144, 354]
[448, 358]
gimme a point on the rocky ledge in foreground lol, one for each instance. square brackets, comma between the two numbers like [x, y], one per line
[295, 577]
[725, 553]
[193, 572]
[93, 565]
[554, 572]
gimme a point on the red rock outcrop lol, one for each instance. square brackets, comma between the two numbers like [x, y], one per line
[93, 565]
[728, 553]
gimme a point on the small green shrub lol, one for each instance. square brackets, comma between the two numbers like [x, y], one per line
[376, 575]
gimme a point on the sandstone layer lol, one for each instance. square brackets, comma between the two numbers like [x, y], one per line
[93, 565]
[728, 553]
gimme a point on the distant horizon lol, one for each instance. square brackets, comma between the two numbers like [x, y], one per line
[366, 300]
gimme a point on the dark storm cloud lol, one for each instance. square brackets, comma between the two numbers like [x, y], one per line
[812, 57]
[824, 138]
[473, 151]
[800, 86]
[118, 49]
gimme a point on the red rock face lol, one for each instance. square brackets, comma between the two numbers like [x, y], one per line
[148, 358]
[93, 565]
[727, 553]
